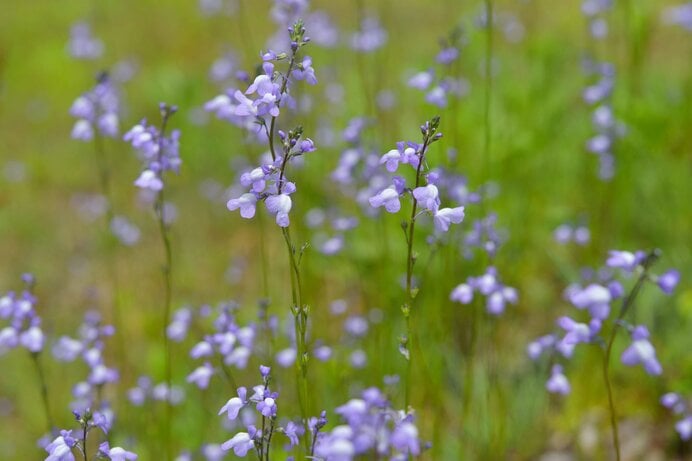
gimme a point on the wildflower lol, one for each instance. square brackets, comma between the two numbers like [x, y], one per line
[234, 404]
[443, 217]
[642, 352]
[558, 383]
[116, 453]
[240, 443]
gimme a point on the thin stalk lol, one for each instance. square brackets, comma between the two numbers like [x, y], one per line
[488, 89]
[44, 390]
[84, 441]
[300, 327]
[626, 304]
[298, 310]
[410, 261]
[166, 269]
[269, 438]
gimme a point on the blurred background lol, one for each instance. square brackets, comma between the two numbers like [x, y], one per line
[476, 393]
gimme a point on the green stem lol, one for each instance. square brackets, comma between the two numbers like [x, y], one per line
[44, 390]
[626, 304]
[166, 269]
[410, 262]
[300, 317]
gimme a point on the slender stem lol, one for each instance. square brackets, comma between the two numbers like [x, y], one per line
[84, 442]
[166, 269]
[44, 390]
[410, 261]
[626, 305]
[269, 437]
[300, 327]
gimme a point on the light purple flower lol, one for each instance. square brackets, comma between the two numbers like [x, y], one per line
[389, 198]
[428, 197]
[668, 281]
[246, 203]
[59, 450]
[558, 384]
[463, 293]
[241, 443]
[280, 205]
[641, 351]
[267, 407]
[234, 404]
[116, 453]
[149, 180]
[684, 428]
[624, 260]
[201, 376]
[443, 217]
[405, 439]
[32, 339]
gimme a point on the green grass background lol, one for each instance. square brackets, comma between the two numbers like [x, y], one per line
[474, 400]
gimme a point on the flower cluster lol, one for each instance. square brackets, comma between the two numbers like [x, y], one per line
[233, 344]
[158, 152]
[599, 92]
[372, 429]
[497, 294]
[61, 448]
[595, 299]
[96, 111]
[681, 408]
[426, 196]
[264, 401]
[268, 182]
[24, 324]
[441, 85]
[90, 348]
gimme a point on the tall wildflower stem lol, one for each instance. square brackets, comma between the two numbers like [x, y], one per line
[299, 311]
[410, 262]
[166, 270]
[626, 305]
[44, 389]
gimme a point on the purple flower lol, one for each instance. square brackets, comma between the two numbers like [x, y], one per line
[267, 407]
[443, 217]
[279, 205]
[305, 71]
[59, 450]
[558, 384]
[594, 297]
[668, 281]
[624, 260]
[428, 197]
[241, 443]
[389, 198]
[391, 160]
[421, 80]
[32, 339]
[684, 428]
[291, 431]
[405, 439]
[246, 203]
[116, 453]
[463, 293]
[234, 404]
[641, 351]
[149, 180]
[201, 376]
